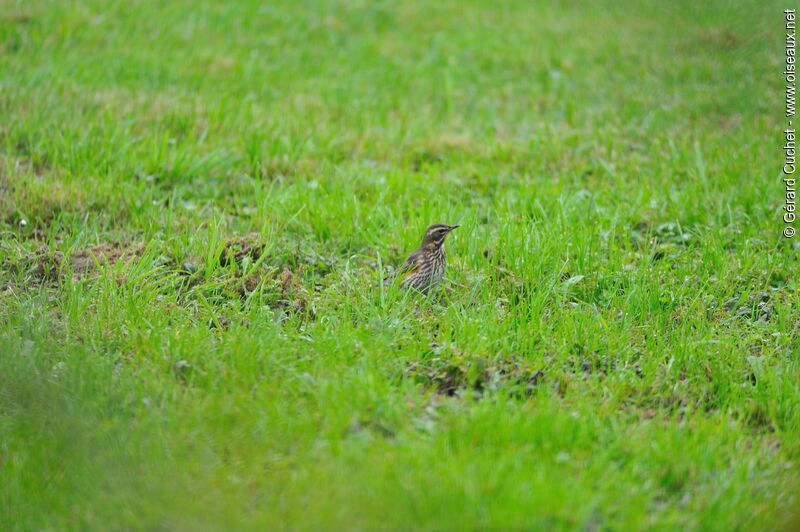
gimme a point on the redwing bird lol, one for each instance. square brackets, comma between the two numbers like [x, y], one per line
[424, 269]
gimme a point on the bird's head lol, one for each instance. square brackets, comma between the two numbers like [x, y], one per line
[435, 235]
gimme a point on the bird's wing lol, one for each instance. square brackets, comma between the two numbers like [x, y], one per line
[411, 265]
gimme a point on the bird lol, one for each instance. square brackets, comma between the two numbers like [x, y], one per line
[424, 268]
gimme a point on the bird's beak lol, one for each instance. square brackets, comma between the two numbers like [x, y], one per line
[452, 227]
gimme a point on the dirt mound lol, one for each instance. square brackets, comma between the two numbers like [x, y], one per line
[79, 263]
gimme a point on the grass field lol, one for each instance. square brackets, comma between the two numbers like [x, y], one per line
[199, 199]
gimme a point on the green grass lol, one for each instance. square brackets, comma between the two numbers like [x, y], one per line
[199, 199]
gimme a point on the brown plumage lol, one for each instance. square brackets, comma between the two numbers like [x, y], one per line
[424, 269]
